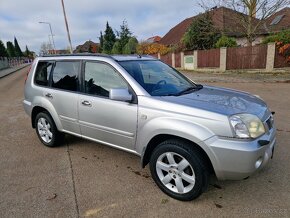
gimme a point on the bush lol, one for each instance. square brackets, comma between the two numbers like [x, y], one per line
[116, 48]
[283, 37]
[225, 41]
[130, 47]
[152, 48]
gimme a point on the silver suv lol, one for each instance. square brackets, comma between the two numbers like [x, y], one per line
[138, 104]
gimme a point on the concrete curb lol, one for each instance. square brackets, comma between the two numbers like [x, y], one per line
[12, 70]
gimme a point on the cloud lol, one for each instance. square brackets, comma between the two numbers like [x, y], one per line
[87, 18]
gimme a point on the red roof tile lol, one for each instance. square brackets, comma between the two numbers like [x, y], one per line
[225, 19]
[153, 39]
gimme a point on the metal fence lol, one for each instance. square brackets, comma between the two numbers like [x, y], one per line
[12, 62]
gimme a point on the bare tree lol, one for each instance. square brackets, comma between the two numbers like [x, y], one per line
[45, 48]
[253, 13]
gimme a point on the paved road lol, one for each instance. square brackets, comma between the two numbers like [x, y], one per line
[85, 179]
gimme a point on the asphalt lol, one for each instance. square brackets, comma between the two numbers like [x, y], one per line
[85, 179]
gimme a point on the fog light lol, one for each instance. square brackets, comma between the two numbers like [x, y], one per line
[258, 162]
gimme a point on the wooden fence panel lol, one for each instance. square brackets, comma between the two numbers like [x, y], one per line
[188, 52]
[247, 57]
[208, 58]
[177, 60]
[167, 58]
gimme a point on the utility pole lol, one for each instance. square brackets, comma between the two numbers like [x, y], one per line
[67, 29]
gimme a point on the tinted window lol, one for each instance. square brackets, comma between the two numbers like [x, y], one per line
[100, 78]
[42, 73]
[65, 75]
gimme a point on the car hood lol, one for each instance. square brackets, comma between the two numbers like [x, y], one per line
[223, 101]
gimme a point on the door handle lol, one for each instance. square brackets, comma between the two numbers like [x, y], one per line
[48, 95]
[86, 103]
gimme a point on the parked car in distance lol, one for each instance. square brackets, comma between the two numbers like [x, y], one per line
[185, 131]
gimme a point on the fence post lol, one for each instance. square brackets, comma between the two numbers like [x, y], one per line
[195, 59]
[223, 59]
[158, 56]
[173, 59]
[271, 48]
[182, 59]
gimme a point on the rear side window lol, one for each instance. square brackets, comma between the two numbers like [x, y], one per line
[42, 73]
[65, 75]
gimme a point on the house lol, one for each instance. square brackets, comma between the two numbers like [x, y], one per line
[279, 21]
[62, 51]
[227, 21]
[153, 39]
[88, 46]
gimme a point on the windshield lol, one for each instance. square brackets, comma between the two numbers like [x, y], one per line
[157, 78]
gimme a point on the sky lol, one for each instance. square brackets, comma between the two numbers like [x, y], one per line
[86, 18]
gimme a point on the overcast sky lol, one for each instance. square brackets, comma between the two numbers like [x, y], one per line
[87, 18]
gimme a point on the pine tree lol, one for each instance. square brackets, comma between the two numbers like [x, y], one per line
[125, 34]
[18, 51]
[201, 34]
[109, 40]
[27, 53]
[3, 52]
[10, 49]
[101, 38]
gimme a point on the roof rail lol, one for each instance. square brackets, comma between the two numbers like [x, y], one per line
[77, 54]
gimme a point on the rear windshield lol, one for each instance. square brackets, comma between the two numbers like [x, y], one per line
[157, 78]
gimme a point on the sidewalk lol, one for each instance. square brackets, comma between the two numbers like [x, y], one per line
[8, 71]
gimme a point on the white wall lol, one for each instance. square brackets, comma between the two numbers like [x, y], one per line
[243, 41]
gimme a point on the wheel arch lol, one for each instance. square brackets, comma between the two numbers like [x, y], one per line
[38, 109]
[156, 140]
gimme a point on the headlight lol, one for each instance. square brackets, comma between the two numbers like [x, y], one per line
[247, 126]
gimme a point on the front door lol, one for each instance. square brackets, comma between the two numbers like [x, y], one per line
[100, 118]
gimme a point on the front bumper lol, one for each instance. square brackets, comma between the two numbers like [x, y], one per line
[235, 159]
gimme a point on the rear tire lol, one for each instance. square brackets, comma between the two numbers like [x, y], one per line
[179, 170]
[46, 130]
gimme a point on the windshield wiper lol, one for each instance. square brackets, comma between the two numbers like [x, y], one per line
[190, 89]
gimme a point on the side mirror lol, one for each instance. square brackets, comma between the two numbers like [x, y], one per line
[120, 95]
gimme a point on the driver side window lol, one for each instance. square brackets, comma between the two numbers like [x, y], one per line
[100, 78]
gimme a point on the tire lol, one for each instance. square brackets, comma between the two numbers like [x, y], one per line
[179, 170]
[46, 130]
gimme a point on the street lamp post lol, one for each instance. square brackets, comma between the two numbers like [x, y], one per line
[66, 25]
[50, 33]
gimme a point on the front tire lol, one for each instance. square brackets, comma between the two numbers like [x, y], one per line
[179, 170]
[46, 130]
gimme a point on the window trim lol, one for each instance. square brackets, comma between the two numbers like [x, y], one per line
[34, 75]
[82, 81]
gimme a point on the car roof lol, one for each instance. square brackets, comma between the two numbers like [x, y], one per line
[114, 57]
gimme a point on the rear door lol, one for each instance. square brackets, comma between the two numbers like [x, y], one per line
[102, 119]
[64, 93]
